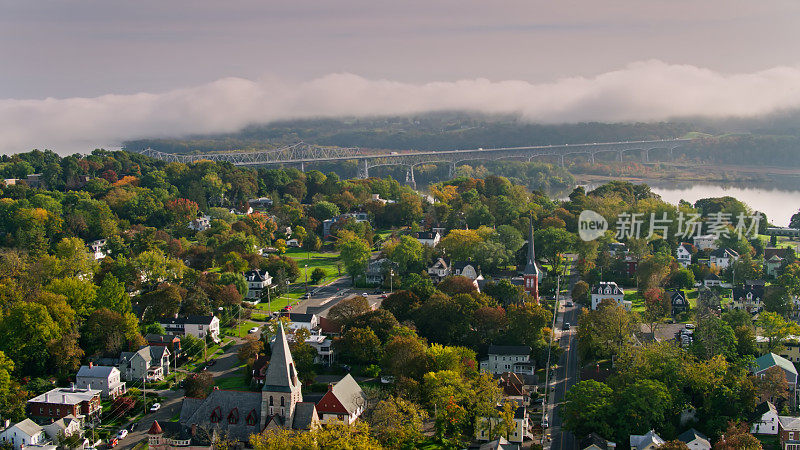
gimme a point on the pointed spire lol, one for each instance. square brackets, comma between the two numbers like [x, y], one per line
[155, 428]
[530, 263]
[281, 373]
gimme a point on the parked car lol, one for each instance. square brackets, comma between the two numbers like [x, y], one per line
[690, 326]
[122, 433]
[112, 442]
[211, 362]
[569, 304]
[306, 296]
[387, 379]
[286, 308]
[384, 296]
[567, 326]
[364, 294]
[253, 330]
[155, 407]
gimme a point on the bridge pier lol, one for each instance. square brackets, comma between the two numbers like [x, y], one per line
[302, 166]
[619, 155]
[646, 155]
[451, 170]
[410, 177]
[363, 169]
[562, 161]
[591, 158]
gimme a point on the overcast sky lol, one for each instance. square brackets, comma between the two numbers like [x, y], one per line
[76, 73]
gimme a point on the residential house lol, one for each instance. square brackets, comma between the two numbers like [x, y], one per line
[105, 378]
[500, 443]
[257, 281]
[629, 265]
[34, 181]
[344, 402]
[617, 249]
[439, 270]
[723, 257]
[678, 301]
[749, 297]
[712, 280]
[171, 341]
[789, 432]
[514, 387]
[429, 238]
[522, 427]
[705, 242]
[596, 442]
[790, 348]
[66, 426]
[260, 204]
[197, 326]
[509, 358]
[327, 225]
[379, 269]
[174, 436]
[293, 243]
[98, 249]
[774, 259]
[765, 419]
[301, 320]
[324, 347]
[23, 434]
[149, 361]
[695, 440]
[684, 254]
[469, 270]
[200, 224]
[769, 360]
[377, 198]
[648, 441]
[608, 290]
[61, 402]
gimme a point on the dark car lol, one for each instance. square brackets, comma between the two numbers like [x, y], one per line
[211, 362]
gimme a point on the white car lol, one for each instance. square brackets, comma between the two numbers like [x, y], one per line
[155, 407]
[253, 330]
[122, 433]
[545, 423]
[387, 379]
[364, 294]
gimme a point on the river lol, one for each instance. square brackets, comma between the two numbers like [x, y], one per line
[778, 203]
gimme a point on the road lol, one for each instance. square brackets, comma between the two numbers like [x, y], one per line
[566, 375]
[329, 295]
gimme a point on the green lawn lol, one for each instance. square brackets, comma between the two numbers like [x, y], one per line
[234, 383]
[637, 301]
[243, 327]
[327, 261]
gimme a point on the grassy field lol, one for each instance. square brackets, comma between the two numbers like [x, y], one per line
[234, 383]
[326, 261]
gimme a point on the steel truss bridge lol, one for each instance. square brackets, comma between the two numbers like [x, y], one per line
[302, 153]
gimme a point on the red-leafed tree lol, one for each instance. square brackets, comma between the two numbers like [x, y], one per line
[182, 210]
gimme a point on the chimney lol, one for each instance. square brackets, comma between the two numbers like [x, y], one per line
[73, 387]
[64, 398]
[45, 397]
[88, 387]
[6, 423]
[330, 387]
[194, 429]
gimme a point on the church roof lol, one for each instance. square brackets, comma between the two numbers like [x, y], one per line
[281, 375]
[155, 428]
[531, 268]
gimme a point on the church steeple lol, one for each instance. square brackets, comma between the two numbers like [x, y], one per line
[531, 272]
[282, 386]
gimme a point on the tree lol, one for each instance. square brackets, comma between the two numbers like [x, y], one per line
[324, 210]
[317, 275]
[199, 385]
[360, 345]
[112, 295]
[107, 333]
[682, 279]
[652, 271]
[642, 406]
[164, 301]
[381, 321]
[589, 408]
[25, 331]
[401, 304]
[657, 306]
[777, 300]
[407, 254]
[405, 356]
[775, 328]
[396, 422]
[605, 332]
[550, 243]
[354, 253]
[673, 445]
[527, 324]
[457, 284]
[348, 309]
[713, 336]
[249, 351]
[736, 437]
[154, 328]
[580, 292]
[460, 244]
[772, 386]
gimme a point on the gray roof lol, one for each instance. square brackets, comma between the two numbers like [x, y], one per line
[29, 427]
[599, 288]
[191, 320]
[96, 371]
[349, 393]
[304, 415]
[725, 253]
[281, 375]
[499, 444]
[530, 265]
[198, 412]
[509, 350]
[789, 423]
[642, 441]
[692, 435]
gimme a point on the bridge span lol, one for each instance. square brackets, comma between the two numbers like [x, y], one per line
[302, 153]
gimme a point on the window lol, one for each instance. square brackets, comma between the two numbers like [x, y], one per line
[216, 415]
[251, 418]
[233, 416]
[270, 401]
[283, 401]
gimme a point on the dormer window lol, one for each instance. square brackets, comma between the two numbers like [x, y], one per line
[252, 418]
[233, 416]
[216, 415]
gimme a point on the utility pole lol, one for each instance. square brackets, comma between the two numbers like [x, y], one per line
[391, 281]
[306, 279]
[549, 352]
[144, 389]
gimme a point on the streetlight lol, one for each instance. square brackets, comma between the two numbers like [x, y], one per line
[306, 279]
[391, 280]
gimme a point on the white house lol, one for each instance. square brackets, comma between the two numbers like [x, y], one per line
[712, 280]
[695, 440]
[439, 270]
[378, 269]
[200, 224]
[68, 426]
[151, 361]
[648, 441]
[293, 243]
[302, 320]
[257, 281]
[197, 326]
[324, 347]
[769, 360]
[260, 204]
[723, 257]
[23, 434]
[105, 378]
[749, 297]
[98, 249]
[467, 269]
[509, 358]
[429, 238]
[684, 254]
[705, 242]
[609, 290]
[765, 420]
[521, 426]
